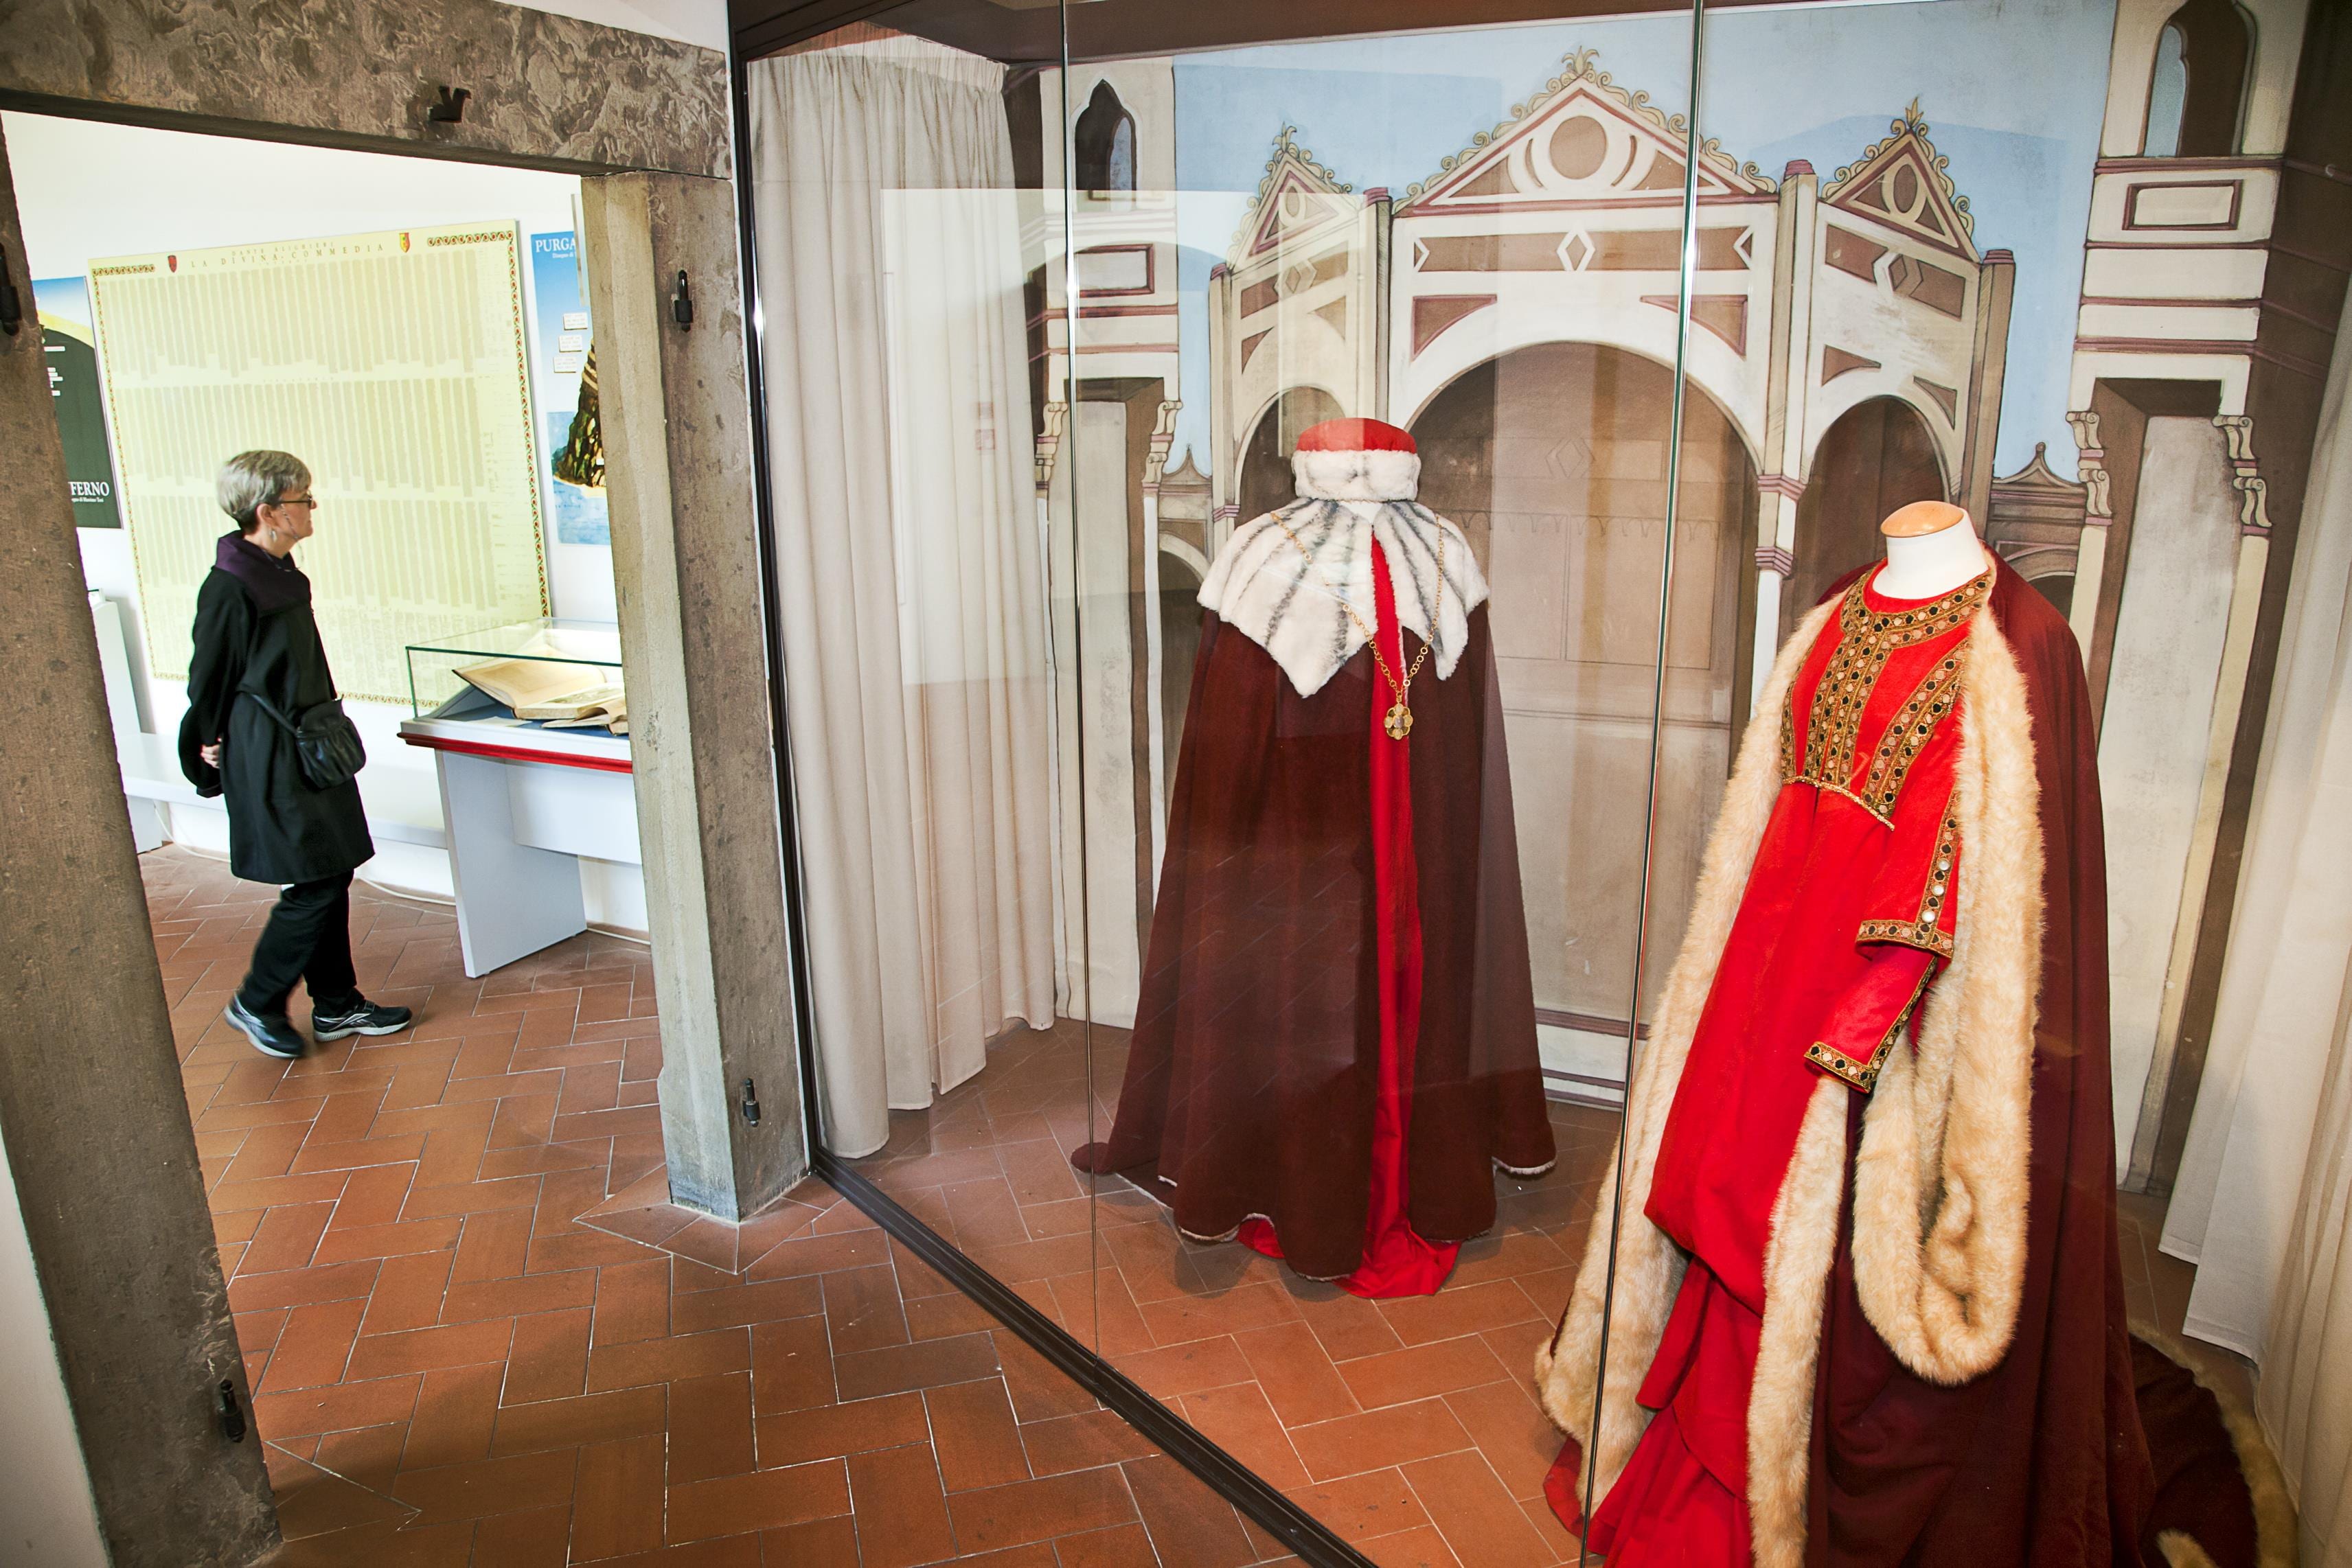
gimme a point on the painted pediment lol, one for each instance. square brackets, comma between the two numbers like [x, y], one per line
[1902, 182]
[1581, 138]
[1298, 197]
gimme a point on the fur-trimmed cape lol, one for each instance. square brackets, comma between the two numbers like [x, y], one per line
[1944, 1374]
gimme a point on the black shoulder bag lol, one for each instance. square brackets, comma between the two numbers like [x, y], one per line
[326, 743]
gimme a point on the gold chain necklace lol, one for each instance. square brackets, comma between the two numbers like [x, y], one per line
[1399, 723]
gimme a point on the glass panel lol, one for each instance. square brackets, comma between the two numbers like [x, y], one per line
[901, 232]
[1362, 1000]
[587, 653]
[2032, 365]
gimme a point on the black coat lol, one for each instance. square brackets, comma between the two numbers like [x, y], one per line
[254, 634]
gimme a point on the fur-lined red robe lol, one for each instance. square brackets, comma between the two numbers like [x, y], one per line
[1941, 1369]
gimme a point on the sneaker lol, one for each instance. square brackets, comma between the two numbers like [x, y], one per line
[273, 1034]
[361, 1016]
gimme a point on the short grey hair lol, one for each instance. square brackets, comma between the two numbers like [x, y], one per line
[250, 480]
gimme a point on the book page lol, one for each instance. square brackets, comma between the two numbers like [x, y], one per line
[527, 682]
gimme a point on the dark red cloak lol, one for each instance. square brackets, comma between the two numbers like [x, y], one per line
[1252, 1078]
[2040, 1462]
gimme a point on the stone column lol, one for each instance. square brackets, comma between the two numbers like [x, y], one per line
[91, 1110]
[687, 564]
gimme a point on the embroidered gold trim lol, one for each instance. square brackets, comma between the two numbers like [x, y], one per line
[1939, 873]
[1865, 638]
[1899, 748]
[1910, 934]
[1863, 1075]
[1921, 622]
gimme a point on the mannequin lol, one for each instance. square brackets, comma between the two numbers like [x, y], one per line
[1862, 1285]
[1335, 1042]
[1931, 548]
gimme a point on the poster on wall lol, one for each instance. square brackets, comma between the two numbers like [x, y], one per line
[572, 469]
[393, 364]
[69, 353]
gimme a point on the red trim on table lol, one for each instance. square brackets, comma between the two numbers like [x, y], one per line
[519, 754]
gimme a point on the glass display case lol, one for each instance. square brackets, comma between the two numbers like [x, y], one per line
[1356, 606]
[549, 656]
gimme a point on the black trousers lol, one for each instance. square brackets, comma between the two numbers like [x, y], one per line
[308, 939]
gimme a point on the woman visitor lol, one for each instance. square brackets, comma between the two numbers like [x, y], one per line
[256, 668]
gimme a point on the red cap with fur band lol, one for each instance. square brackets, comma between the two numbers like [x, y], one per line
[1354, 435]
[1355, 460]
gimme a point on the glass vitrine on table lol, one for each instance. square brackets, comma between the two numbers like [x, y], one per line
[524, 802]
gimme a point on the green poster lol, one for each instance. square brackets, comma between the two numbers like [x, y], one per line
[68, 350]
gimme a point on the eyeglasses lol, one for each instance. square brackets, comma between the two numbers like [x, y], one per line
[296, 501]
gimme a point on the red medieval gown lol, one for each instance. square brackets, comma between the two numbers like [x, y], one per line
[1335, 1041]
[1845, 921]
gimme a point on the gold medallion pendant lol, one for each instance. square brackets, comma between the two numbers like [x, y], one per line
[1399, 721]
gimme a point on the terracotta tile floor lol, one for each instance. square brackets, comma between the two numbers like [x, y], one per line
[1408, 1426]
[477, 1334]
[473, 1337]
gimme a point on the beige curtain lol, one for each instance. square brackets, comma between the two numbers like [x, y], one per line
[2264, 1200]
[911, 588]
[2306, 1393]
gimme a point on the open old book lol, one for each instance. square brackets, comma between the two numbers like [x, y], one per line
[561, 696]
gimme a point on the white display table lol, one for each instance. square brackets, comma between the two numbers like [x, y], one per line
[522, 806]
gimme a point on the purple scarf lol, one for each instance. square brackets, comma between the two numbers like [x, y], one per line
[275, 581]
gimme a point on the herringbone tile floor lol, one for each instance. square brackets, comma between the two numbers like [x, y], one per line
[1410, 1426]
[470, 1343]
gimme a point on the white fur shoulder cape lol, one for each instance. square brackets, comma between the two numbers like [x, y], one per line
[1291, 599]
[1940, 1179]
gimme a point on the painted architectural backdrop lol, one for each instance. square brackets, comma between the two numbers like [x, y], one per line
[2029, 257]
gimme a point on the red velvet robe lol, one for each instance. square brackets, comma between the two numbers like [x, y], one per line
[1259, 1086]
[2041, 1460]
[1846, 916]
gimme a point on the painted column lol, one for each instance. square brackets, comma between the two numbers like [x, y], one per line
[1370, 324]
[1224, 446]
[1996, 284]
[2098, 513]
[1155, 464]
[1056, 416]
[2220, 740]
[1780, 482]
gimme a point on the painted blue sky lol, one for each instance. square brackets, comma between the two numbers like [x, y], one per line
[2013, 92]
